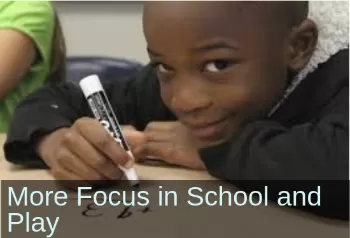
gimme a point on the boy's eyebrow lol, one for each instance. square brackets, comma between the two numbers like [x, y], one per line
[204, 47]
[214, 46]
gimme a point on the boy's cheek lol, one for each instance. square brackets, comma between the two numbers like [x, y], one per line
[243, 106]
[259, 97]
[238, 101]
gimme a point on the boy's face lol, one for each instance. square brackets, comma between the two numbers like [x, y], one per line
[218, 65]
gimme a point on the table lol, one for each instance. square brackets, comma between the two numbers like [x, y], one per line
[10, 172]
[247, 221]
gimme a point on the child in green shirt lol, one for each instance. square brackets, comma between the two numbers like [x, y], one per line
[31, 52]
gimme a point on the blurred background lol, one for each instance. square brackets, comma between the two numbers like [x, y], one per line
[104, 29]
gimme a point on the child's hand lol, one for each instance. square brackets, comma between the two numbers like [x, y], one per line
[172, 143]
[85, 153]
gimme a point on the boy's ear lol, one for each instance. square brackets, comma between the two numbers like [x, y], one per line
[302, 42]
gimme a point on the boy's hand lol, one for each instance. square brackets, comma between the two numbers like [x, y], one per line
[86, 152]
[172, 143]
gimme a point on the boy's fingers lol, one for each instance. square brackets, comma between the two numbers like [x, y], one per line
[160, 126]
[91, 158]
[158, 136]
[71, 180]
[133, 137]
[95, 134]
[156, 150]
[67, 178]
[74, 165]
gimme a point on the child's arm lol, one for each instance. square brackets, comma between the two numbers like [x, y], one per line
[316, 152]
[25, 35]
[267, 150]
[55, 107]
[17, 54]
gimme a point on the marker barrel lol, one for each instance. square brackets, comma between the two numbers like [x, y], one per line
[103, 112]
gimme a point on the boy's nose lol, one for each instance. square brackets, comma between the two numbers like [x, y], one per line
[189, 99]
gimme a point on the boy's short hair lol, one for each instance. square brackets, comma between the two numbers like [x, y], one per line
[283, 13]
[294, 12]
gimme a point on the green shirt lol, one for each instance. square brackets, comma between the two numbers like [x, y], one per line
[36, 20]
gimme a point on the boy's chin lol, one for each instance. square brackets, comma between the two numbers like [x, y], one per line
[210, 142]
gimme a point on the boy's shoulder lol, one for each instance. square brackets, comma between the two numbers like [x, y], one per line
[321, 92]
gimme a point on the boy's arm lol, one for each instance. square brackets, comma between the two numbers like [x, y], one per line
[54, 107]
[265, 153]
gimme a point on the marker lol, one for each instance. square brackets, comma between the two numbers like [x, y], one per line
[103, 112]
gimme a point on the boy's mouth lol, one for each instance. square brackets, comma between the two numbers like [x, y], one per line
[206, 131]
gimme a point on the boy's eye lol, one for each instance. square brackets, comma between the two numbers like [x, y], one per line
[217, 65]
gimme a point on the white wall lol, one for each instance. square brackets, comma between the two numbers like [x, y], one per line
[103, 29]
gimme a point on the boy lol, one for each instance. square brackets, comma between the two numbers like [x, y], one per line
[210, 99]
